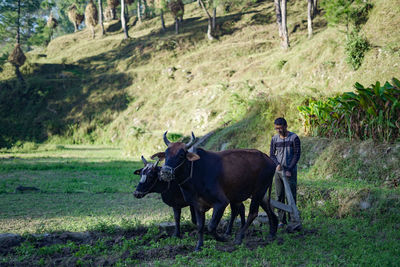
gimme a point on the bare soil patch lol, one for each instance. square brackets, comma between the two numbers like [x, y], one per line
[66, 256]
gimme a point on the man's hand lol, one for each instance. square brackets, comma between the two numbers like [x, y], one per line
[279, 168]
[288, 173]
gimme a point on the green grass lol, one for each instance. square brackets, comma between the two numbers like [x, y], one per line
[88, 188]
[81, 187]
[128, 92]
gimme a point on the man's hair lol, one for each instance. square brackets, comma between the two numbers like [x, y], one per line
[280, 121]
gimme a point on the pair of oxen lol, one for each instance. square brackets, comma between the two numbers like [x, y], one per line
[204, 179]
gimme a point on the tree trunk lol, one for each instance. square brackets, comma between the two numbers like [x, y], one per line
[101, 17]
[19, 75]
[285, 35]
[278, 16]
[315, 8]
[214, 18]
[123, 21]
[209, 30]
[176, 25]
[18, 23]
[162, 20]
[309, 18]
[145, 9]
[138, 12]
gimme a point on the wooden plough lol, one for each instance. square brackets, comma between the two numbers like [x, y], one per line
[295, 220]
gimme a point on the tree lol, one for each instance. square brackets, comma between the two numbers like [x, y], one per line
[281, 19]
[101, 17]
[18, 20]
[210, 28]
[123, 20]
[310, 17]
[348, 12]
[315, 8]
[15, 27]
[139, 15]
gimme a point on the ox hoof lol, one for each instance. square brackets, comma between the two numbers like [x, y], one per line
[293, 227]
[271, 237]
[238, 241]
[177, 236]
[220, 238]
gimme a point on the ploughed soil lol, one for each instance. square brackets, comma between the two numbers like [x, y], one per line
[255, 237]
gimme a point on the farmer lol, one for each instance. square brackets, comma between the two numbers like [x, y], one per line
[285, 152]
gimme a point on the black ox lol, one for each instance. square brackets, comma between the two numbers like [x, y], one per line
[215, 179]
[171, 195]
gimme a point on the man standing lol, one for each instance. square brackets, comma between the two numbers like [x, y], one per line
[285, 152]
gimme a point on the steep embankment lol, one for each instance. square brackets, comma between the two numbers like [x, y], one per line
[110, 90]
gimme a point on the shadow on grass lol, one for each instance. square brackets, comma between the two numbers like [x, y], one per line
[58, 98]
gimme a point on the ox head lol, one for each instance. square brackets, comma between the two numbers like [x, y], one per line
[149, 175]
[175, 156]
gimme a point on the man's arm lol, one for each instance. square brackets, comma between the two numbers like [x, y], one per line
[272, 152]
[296, 153]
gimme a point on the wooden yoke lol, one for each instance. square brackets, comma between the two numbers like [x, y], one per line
[295, 220]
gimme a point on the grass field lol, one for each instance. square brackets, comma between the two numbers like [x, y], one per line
[87, 191]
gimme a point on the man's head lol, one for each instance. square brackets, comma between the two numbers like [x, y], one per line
[281, 126]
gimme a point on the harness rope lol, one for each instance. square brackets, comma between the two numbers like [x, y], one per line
[190, 176]
[154, 184]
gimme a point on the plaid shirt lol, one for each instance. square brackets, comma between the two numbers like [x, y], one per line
[286, 151]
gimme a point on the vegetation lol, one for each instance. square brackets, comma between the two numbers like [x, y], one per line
[372, 112]
[356, 47]
[104, 91]
[85, 212]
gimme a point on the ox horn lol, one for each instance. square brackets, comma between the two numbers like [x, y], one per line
[191, 142]
[166, 141]
[144, 160]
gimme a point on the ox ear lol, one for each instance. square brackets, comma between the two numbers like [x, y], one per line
[137, 172]
[192, 156]
[159, 155]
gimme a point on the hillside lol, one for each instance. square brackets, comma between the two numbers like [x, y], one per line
[128, 92]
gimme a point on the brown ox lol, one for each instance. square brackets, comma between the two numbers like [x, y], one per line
[215, 179]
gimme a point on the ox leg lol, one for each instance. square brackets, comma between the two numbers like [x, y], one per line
[242, 215]
[272, 219]
[200, 217]
[218, 211]
[236, 209]
[253, 213]
[234, 213]
[177, 217]
[193, 214]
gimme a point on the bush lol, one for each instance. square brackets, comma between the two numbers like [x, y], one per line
[356, 47]
[372, 112]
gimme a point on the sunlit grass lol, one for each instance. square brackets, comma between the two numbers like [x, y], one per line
[89, 189]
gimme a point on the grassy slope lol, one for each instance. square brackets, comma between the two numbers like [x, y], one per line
[114, 90]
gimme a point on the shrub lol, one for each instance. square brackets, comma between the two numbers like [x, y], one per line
[372, 112]
[356, 47]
